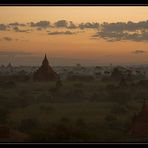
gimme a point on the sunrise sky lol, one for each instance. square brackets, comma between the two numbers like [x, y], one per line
[69, 35]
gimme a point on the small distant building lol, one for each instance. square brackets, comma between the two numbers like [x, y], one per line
[9, 69]
[139, 126]
[9, 66]
[45, 72]
[78, 66]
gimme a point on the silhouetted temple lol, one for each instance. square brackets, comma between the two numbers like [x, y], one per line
[45, 72]
[139, 126]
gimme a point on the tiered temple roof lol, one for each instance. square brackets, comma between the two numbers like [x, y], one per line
[45, 72]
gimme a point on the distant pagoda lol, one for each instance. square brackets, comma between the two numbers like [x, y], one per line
[139, 126]
[9, 66]
[45, 72]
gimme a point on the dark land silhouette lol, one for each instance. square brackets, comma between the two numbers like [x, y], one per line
[44, 105]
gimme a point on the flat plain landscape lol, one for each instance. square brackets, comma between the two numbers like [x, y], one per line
[93, 111]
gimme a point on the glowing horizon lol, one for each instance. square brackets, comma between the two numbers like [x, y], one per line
[82, 38]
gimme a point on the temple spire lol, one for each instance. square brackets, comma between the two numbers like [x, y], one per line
[45, 61]
[45, 56]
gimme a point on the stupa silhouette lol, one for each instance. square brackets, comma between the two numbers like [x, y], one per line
[45, 72]
[139, 126]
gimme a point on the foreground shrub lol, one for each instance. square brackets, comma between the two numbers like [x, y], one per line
[29, 125]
